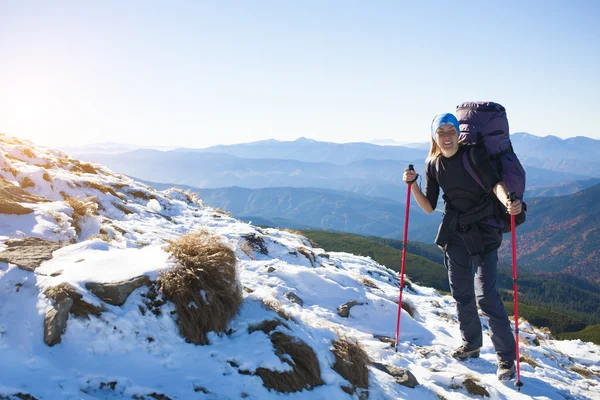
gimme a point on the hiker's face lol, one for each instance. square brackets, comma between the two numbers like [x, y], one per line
[447, 138]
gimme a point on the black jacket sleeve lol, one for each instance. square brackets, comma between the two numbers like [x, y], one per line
[432, 187]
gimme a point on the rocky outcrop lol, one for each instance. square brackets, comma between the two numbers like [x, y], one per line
[117, 293]
[294, 298]
[55, 321]
[344, 309]
[403, 376]
[28, 253]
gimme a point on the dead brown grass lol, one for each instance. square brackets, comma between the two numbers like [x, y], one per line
[369, 283]
[546, 331]
[102, 188]
[80, 309]
[527, 359]
[474, 388]
[352, 363]
[266, 326]
[192, 197]
[81, 209]
[28, 152]
[276, 307]
[581, 371]
[306, 372]
[27, 183]
[139, 194]
[222, 212]
[120, 185]
[46, 177]
[101, 236]
[308, 254]
[202, 286]
[122, 208]
[11, 157]
[83, 167]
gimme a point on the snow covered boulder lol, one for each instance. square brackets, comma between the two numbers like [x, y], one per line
[116, 293]
[202, 285]
[28, 253]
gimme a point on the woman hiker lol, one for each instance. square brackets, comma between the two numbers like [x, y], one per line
[470, 237]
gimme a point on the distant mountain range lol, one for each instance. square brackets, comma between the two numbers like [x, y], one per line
[578, 155]
[310, 208]
[369, 176]
[561, 234]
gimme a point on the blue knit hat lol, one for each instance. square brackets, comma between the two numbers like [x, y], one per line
[443, 119]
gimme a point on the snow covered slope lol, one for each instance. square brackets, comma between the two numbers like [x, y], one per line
[113, 229]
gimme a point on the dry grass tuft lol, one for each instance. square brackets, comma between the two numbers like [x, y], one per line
[266, 326]
[46, 177]
[474, 388]
[306, 372]
[586, 373]
[120, 185]
[369, 283]
[81, 208]
[546, 331]
[352, 363]
[222, 212]
[11, 157]
[192, 197]
[80, 308]
[27, 183]
[308, 254]
[28, 152]
[527, 359]
[202, 286]
[101, 236]
[276, 307]
[140, 194]
[122, 208]
[83, 167]
[102, 188]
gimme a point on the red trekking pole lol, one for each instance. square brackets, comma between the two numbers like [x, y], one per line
[518, 383]
[410, 168]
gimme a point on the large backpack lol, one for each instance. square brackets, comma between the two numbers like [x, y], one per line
[484, 125]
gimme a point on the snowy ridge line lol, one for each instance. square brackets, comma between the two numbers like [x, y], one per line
[112, 229]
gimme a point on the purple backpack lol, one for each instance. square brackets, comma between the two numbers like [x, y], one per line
[484, 125]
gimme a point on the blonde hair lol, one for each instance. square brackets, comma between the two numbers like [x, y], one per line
[434, 151]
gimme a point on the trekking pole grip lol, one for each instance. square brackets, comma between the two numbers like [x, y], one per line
[512, 196]
[412, 168]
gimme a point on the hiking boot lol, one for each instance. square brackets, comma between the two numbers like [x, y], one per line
[506, 370]
[463, 352]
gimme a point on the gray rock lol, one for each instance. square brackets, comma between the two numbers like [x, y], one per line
[28, 253]
[55, 321]
[293, 297]
[344, 309]
[403, 376]
[117, 293]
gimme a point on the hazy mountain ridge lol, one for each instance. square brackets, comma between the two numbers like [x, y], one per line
[561, 234]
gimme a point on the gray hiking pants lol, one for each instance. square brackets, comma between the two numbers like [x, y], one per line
[471, 279]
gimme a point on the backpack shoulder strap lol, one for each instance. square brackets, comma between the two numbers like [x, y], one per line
[470, 166]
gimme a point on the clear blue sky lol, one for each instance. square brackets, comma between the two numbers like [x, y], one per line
[197, 73]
